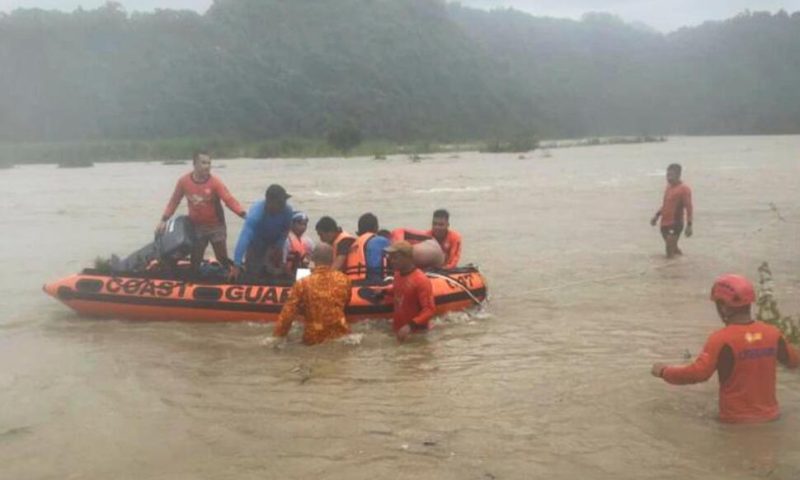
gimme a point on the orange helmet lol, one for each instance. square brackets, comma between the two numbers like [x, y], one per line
[733, 291]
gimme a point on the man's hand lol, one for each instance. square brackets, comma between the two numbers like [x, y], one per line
[403, 333]
[234, 273]
[162, 225]
[658, 369]
[243, 214]
[689, 230]
[653, 221]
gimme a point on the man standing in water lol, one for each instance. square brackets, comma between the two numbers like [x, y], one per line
[448, 239]
[320, 299]
[677, 198]
[412, 292]
[744, 353]
[203, 193]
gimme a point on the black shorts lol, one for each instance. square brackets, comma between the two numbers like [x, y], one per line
[676, 230]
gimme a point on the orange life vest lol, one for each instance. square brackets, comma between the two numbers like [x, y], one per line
[351, 262]
[355, 266]
[297, 251]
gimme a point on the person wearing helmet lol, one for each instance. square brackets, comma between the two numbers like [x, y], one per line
[744, 354]
[677, 198]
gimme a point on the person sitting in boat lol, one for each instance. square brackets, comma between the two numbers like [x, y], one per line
[320, 299]
[373, 245]
[448, 239]
[299, 246]
[411, 292]
[260, 247]
[203, 193]
[345, 256]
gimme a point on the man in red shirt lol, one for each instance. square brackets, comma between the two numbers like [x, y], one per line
[744, 354]
[677, 198]
[203, 193]
[412, 292]
[448, 239]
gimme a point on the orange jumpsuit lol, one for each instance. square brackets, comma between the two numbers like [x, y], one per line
[745, 357]
[320, 299]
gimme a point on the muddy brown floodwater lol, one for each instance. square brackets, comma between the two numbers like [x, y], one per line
[550, 381]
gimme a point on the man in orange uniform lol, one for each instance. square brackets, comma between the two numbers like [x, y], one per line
[677, 198]
[744, 353]
[320, 298]
[448, 239]
[203, 193]
[411, 292]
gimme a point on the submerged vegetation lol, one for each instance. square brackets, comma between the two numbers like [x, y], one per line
[768, 307]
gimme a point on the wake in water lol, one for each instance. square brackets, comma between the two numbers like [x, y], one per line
[364, 328]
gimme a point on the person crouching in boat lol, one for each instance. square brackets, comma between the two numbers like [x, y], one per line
[411, 292]
[299, 246]
[345, 257]
[203, 193]
[320, 299]
[261, 242]
[744, 354]
[448, 239]
[373, 246]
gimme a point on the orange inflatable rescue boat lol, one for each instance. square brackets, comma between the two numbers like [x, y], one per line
[156, 296]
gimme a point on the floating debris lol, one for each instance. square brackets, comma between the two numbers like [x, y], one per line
[173, 162]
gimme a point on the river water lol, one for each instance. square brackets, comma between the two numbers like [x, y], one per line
[550, 381]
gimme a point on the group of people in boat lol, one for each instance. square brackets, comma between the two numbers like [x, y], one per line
[273, 244]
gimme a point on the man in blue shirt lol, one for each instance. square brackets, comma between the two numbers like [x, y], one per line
[374, 246]
[261, 241]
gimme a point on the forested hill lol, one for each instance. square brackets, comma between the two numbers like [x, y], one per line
[397, 69]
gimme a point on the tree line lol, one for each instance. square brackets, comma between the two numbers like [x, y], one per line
[397, 70]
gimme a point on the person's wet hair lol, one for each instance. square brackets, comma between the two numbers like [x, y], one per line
[675, 167]
[367, 223]
[322, 254]
[326, 224]
[442, 213]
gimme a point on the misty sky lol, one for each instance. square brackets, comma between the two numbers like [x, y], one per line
[664, 15]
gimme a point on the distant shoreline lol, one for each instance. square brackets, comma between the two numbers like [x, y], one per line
[76, 154]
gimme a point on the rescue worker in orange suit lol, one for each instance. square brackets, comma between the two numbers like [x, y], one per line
[320, 299]
[298, 245]
[411, 293]
[677, 198]
[344, 257]
[448, 239]
[744, 354]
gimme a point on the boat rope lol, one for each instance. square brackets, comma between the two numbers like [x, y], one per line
[455, 282]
